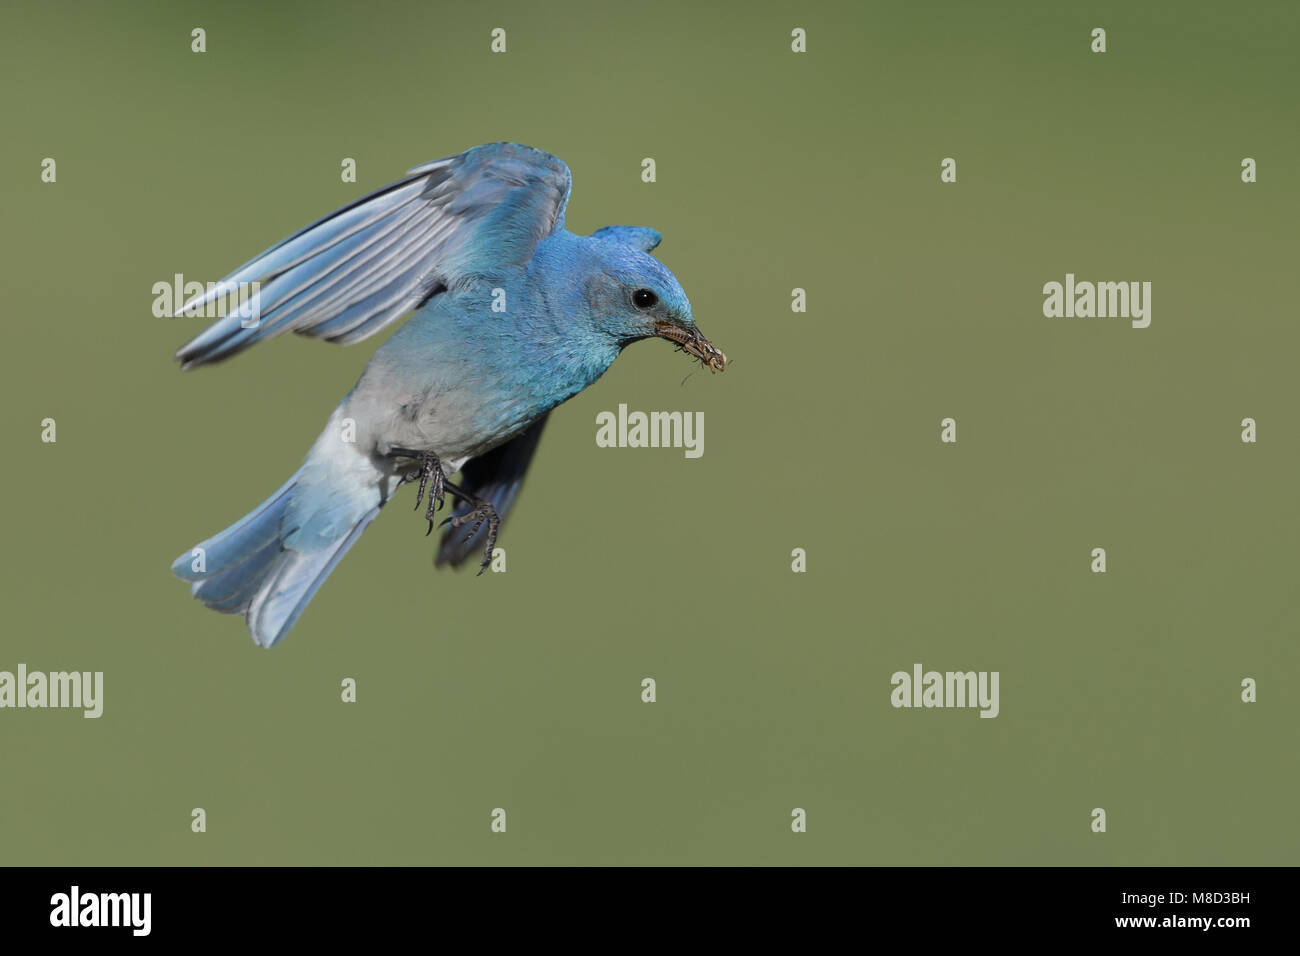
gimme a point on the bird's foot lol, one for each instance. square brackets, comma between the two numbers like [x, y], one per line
[432, 479]
[431, 476]
[480, 512]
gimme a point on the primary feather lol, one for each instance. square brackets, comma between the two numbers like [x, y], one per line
[350, 274]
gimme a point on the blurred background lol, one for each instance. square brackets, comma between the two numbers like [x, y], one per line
[775, 171]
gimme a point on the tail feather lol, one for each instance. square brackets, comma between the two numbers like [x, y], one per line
[270, 564]
[297, 578]
[231, 591]
[232, 547]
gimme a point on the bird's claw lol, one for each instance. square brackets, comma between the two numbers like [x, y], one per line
[431, 477]
[481, 512]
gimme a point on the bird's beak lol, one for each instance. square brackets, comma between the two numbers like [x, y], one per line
[692, 342]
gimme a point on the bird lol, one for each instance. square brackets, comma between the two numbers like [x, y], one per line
[510, 315]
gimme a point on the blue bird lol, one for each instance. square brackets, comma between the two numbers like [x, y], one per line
[512, 315]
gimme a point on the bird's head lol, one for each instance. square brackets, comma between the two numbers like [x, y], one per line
[636, 297]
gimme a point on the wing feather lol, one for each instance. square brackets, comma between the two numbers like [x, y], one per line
[350, 274]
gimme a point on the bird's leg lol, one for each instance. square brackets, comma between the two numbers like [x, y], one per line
[481, 510]
[430, 468]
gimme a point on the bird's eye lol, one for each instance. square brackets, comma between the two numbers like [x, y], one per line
[644, 298]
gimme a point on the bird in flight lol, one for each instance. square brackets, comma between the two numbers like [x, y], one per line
[511, 315]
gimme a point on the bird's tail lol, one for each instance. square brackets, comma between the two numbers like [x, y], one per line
[269, 564]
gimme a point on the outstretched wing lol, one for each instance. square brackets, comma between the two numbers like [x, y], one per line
[496, 476]
[370, 263]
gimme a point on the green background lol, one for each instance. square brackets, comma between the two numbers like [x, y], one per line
[775, 171]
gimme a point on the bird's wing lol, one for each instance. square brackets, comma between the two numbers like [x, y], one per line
[638, 237]
[370, 263]
[496, 476]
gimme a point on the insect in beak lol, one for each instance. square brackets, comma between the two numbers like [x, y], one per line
[693, 343]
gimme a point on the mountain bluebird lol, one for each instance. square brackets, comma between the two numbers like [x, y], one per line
[513, 314]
